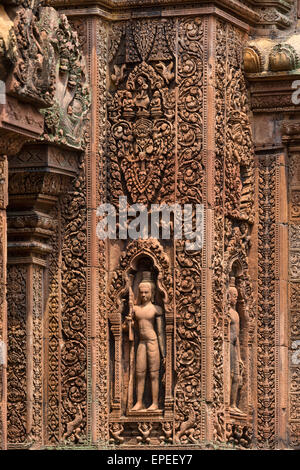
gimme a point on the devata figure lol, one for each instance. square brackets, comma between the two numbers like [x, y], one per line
[149, 324]
[236, 364]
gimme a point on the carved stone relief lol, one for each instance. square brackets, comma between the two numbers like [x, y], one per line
[266, 305]
[232, 385]
[161, 341]
[294, 297]
[147, 155]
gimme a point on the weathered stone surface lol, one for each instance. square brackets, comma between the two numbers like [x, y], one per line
[142, 342]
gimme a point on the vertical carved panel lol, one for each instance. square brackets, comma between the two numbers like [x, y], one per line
[294, 301]
[141, 165]
[3, 305]
[73, 313]
[102, 323]
[188, 264]
[266, 304]
[233, 216]
[36, 433]
[218, 281]
[53, 334]
[17, 353]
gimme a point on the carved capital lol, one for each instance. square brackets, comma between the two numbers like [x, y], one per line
[45, 157]
[38, 176]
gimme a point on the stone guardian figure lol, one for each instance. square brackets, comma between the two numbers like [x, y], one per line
[236, 364]
[149, 325]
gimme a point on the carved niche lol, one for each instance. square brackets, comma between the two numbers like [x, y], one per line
[150, 138]
[143, 260]
[233, 217]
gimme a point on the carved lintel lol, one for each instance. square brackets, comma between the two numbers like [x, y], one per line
[21, 118]
[272, 95]
[45, 157]
[19, 123]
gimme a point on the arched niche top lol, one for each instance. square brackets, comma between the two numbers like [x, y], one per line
[138, 252]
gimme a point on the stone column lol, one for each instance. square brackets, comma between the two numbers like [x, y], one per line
[270, 255]
[14, 132]
[33, 220]
[291, 135]
[194, 56]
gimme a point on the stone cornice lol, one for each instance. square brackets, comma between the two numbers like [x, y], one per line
[120, 6]
[272, 94]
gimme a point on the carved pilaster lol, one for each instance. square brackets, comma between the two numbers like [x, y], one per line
[38, 177]
[272, 367]
[294, 297]
[3, 305]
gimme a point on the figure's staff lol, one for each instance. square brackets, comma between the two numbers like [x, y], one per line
[131, 342]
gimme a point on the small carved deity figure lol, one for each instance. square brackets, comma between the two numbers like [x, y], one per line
[148, 320]
[236, 364]
[128, 104]
[116, 430]
[142, 99]
[155, 105]
[145, 430]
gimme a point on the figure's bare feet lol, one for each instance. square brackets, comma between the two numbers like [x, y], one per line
[152, 407]
[235, 410]
[138, 406]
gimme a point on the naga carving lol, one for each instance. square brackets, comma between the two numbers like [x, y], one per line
[66, 119]
[45, 67]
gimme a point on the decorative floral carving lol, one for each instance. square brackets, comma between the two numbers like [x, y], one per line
[16, 352]
[233, 212]
[295, 204]
[141, 136]
[53, 325]
[73, 308]
[36, 431]
[294, 302]
[188, 264]
[295, 264]
[103, 349]
[266, 304]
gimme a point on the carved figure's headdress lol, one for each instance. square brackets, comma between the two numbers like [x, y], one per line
[146, 276]
[232, 287]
